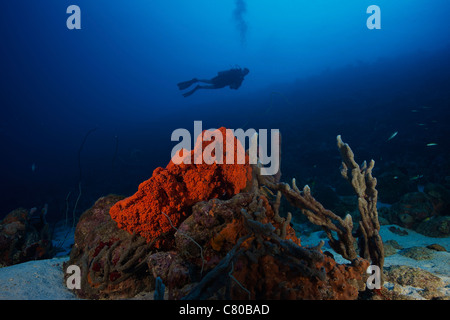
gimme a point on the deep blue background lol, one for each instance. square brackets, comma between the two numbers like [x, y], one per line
[118, 74]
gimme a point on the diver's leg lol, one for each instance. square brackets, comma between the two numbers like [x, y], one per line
[206, 81]
[187, 94]
[207, 87]
[186, 84]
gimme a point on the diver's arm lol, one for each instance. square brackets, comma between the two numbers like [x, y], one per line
[237, 84]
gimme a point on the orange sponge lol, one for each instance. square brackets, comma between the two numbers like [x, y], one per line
[176, 188]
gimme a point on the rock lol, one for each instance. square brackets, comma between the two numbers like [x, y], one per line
[413, 208]
[415, 277]
[417, 253]
[384, 215]
[410, 276]
[389, 250]
[24, 236]
[436, 247]
[437, 227]
[383, 221]
[398, 231]
[391, 247]
[433, 294]
[110, 259]
[394, 244]
[440, 198]
[172, 270]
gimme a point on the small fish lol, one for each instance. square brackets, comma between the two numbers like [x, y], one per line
[416, 177]
[393, 136]
[432, 144]
[33, 167]
[395, 178]
[414, 111]
[421, 124]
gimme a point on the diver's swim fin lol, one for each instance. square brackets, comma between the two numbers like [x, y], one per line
[187, 94]
[186, 84]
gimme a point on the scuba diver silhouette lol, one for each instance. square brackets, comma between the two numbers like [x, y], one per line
[232, 78]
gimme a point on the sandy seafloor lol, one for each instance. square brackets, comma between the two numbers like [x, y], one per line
[43, 279]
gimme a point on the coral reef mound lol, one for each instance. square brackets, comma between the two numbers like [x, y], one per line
[24, 236]
[233, 245]
[175, 189]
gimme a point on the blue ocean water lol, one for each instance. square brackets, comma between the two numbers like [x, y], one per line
[97, 105]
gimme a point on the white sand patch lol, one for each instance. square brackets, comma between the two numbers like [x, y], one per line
[35, 280]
